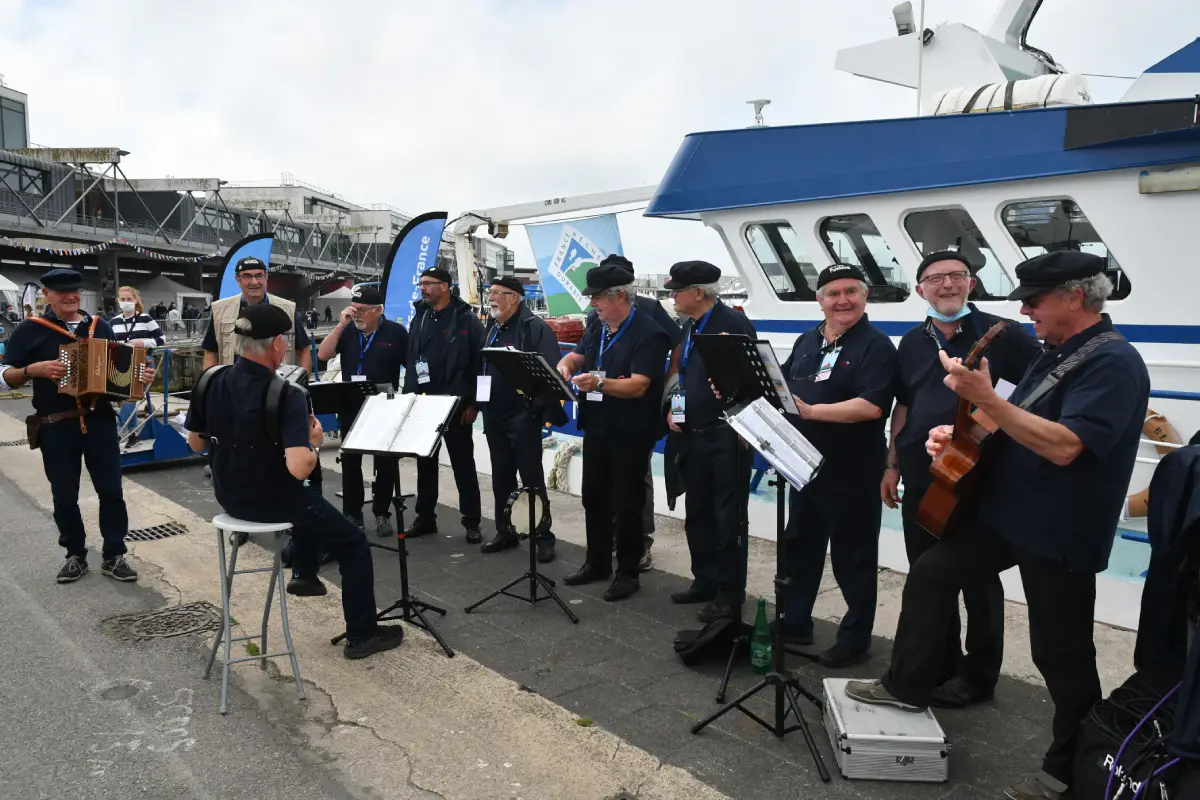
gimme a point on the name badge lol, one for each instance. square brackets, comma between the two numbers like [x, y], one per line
[483, 388]
[827, 364]
[422, 370]
[597, 397]
[678, 406]
[357, 378]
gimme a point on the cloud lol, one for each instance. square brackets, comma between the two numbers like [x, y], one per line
[457, 105]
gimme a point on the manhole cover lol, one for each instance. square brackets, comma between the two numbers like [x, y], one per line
[199, 617]
[155, 532]
[14, 442]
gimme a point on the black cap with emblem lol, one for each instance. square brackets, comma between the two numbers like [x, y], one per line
[368, 295]
[510, 283]
[836, 272]
[941, 255]
[262, 321]
[62, 279]
[248, 263]
[437, 273]
[606, 276]
[1040, 274]
[691, 273]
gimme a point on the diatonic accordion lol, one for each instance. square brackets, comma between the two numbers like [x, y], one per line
[102, 367]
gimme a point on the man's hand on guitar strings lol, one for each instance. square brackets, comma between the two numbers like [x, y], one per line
[939, 437]
[970, 384]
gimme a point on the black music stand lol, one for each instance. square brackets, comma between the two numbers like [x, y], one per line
[391, 425]
[535, 382]
[343, 398]
[748, 382]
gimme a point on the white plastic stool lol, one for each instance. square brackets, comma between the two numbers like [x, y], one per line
[223, 523]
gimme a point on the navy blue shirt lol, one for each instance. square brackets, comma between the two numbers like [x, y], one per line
[921, 385]
[32, 342]
[701, 407]
[1069, 514]
[652, 308]
[248, 468]
[866, 367]
[639, 347]
[300, 334]
[385, 351]
[503, 398]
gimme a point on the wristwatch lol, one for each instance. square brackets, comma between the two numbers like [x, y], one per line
[600, 384]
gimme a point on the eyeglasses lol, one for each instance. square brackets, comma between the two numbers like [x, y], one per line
[252, 276]
[675, 292]
[494, 293]
[953, 277]
[424, 284]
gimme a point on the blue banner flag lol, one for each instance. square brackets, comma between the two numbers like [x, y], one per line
[258, 245]
[565, 251]
[414, 251]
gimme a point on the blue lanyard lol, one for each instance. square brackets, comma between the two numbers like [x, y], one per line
[605, 343]
[687, 348]
[364, 344]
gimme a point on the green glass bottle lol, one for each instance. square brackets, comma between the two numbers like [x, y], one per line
[760, 641]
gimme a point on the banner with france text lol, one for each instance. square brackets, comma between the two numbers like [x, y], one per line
[414, 250]
[565, 251]
[257, 245]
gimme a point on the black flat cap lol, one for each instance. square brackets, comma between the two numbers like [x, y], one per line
[606, 276]
[262, 321]
[510, 283]
[1042, 273]
[62, 279]
[621, 261]
[836, 272]
[941, 255]
[367, 295]
[691, 273]
[437, 273]
[249, 262]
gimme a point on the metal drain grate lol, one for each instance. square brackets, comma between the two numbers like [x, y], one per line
[14, 443]
[155, 532]
[164, 623]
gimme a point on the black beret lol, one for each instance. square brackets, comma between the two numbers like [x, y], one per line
[836, 272]
[621, 261]
[941, 255]
[691, 273]
[510, 283]
[606, 276]
[1049, 270]
[262, 321]
[438, 273]
[249, 262]
[62, 279]
[366, 294]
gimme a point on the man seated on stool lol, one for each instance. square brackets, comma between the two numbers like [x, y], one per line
[256, 480]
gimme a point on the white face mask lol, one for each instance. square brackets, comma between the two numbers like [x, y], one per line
[127, 308]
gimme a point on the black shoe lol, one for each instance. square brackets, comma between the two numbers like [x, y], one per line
[421, 526]
[383, 526]
[586, 574]
[74, 568]
[719, 609]
[622, 586]
[958, 693]
[358, 522]
[501, 541]
[118, 569]
[693, 595]
[387, 637]
[306, 586]
[474, 535]
[545, 552]
[839, 657]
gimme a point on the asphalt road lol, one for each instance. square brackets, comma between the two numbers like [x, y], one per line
[90, 714]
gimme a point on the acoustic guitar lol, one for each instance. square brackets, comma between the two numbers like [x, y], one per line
[958, 472]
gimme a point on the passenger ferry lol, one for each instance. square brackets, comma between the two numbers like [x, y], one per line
[1009, 159]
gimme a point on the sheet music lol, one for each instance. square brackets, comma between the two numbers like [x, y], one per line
[405, 424]
[775, 373]
[768, 432]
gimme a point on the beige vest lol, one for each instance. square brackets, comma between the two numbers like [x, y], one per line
[225, 313]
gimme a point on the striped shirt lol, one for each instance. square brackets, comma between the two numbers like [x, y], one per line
[138, 329]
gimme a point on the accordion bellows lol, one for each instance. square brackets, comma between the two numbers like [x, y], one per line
[101, 367]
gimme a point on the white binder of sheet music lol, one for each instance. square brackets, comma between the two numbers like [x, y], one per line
[405, 424]
[769, 432]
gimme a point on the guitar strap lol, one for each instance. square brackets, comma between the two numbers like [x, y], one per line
[1073, 361]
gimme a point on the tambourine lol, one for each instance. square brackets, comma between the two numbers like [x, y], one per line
[516, 511]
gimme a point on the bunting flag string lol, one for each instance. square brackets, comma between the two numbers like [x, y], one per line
[97, 248]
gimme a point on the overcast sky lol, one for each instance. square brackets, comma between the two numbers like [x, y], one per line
[456, 105]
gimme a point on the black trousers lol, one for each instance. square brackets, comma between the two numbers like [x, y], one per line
[515, 443]
[354, 493]
[317, 526]
[65, 450]
[984, 599]
[716, 470]
[459, 444]
[844, 517]
[614, 486]
[1061, 604]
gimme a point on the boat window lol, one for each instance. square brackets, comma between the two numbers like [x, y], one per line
[953, 229]
[782, 258]
[1039, 226]
[854, 239]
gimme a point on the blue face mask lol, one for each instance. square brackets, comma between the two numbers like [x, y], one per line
[962, 312]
